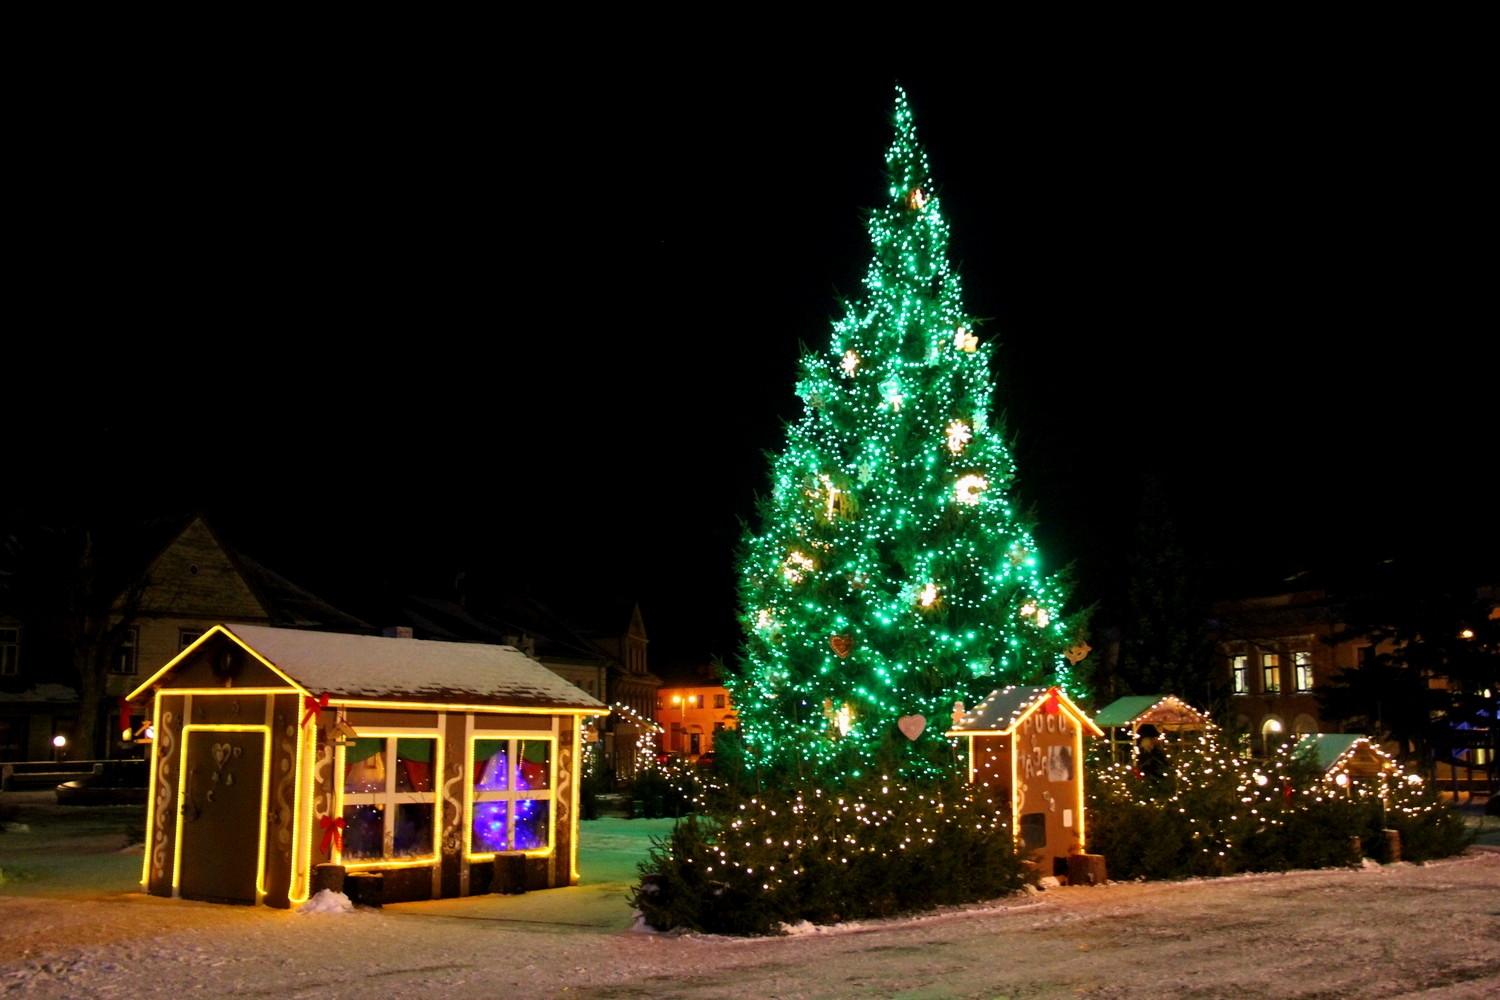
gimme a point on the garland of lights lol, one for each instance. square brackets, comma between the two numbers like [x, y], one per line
[891, 575]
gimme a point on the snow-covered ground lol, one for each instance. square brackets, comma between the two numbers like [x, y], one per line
[73, 925]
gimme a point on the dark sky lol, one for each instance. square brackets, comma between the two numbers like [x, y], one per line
[544, 329]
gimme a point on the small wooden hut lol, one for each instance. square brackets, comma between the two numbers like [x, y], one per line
[1343, 758]
[1123, 718]
[1027, 743]
[427, 769]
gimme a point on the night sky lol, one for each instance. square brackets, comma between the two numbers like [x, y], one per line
[543, 333]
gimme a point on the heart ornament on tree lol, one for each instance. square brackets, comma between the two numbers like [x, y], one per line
[842, 644]
[911, 726]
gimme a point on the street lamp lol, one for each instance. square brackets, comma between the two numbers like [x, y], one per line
[59, 746]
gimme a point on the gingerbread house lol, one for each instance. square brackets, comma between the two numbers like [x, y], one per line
[1027, 744]
[284, 760]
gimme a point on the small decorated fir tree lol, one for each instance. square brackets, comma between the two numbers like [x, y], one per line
[891, 577]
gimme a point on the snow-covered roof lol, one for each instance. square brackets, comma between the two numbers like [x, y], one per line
[1155, 708]
[1328, 750]
[1006, 707]
[365, 667]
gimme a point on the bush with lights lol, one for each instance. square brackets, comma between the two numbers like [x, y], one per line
[1212, 813]
[1183, 821]
[875, 848]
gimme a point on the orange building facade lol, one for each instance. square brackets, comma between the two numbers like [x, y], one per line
[691, 717]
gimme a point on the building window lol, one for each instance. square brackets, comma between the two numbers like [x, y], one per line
[512, 795]
[124, 658]
[1240, 673]
[10, 652]
[388, 799]
[186, 637]
[719, 700]
[1302, 667]
[698, 701]
[1271, 669]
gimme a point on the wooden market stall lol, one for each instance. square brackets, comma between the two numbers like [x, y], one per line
[284, 759]
[1342, 758]
[1123, 718]
[1027, 744]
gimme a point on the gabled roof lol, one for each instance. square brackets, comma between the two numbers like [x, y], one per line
[1328, 750]
[1158, 709]
[375, 668]
[1006, 708]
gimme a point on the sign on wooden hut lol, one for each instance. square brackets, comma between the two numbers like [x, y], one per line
[417, 769]
[1026, 743]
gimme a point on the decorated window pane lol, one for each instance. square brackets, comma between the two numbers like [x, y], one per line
[532, 823]
[491, 827]
[413, 834]
[364, 833]
[388, 798]
[414, 765]
[512, 794]
[364, 766]
[536, 765]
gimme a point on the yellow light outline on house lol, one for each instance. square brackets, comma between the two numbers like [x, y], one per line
[265, 792]
[358, 701]
[573, 873]
[468, 829]
[301, 825]
[426, 861]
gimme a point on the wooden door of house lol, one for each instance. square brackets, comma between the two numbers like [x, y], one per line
[221, 815]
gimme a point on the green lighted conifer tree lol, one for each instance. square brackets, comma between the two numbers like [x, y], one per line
[891, 576]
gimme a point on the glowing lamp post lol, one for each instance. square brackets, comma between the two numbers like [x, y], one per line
[59, 746]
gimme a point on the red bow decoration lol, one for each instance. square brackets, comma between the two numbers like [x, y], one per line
[124, 712]
[1052, 705]
[314, 706]
[333, 833]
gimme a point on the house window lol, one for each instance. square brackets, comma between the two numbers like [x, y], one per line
[124, 658]
[388, 799]
[186, 637]
[512, 795]
[1302, 667]
[698, 701]
[1270, 664]
[1240, 673]
[10, 652]
[719, 700]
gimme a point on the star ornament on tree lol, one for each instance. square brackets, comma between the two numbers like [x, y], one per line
[958, 436]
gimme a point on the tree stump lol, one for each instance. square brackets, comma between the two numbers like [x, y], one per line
[1086, 869]
[365, 888]
[327, 876]
[510, 874]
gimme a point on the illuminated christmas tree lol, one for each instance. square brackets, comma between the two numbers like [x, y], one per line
[891, 576]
